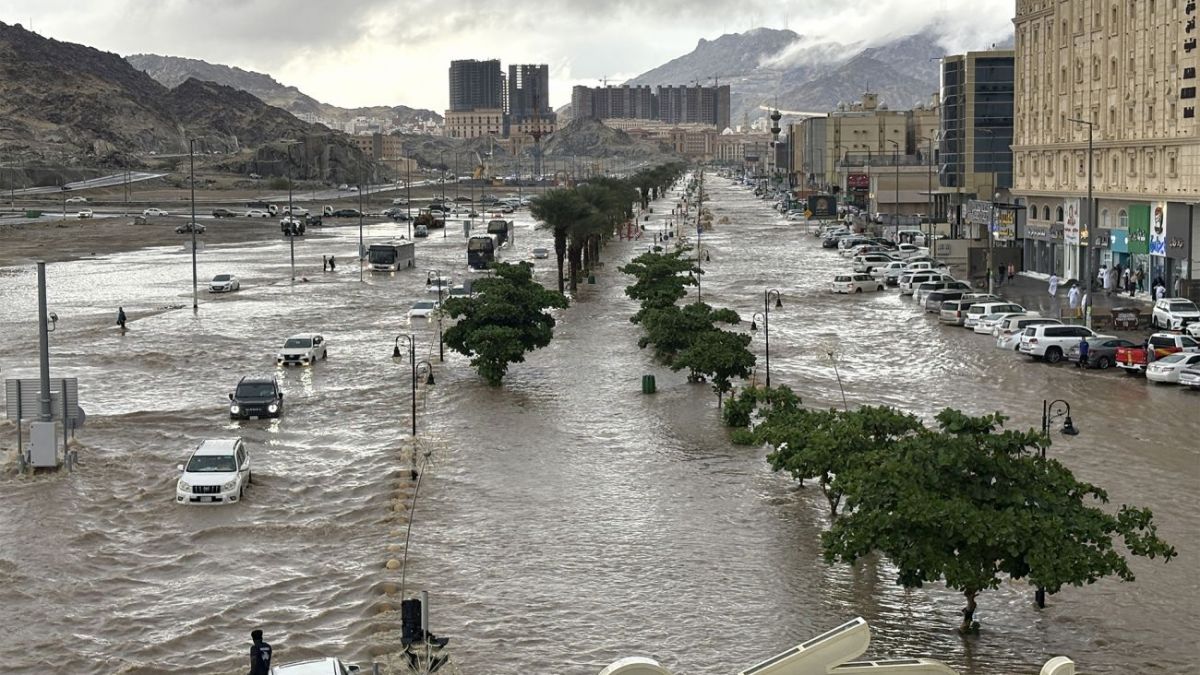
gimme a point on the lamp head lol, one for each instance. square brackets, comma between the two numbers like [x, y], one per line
[396, 351]
[429, 379]
[1069, 427]
[778, 302]
[753, 324]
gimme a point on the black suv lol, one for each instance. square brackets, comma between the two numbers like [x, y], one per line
[224, 213]
[346, 213]
[256, 397]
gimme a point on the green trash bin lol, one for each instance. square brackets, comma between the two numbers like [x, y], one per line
[648, 386]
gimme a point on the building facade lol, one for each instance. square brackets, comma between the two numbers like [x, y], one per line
[476, 85]
[1126, 71]
[708, 106]
[613, 102]
[475, 123]
[529, 96]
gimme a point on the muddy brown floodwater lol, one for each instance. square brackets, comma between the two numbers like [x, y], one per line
[567, 520]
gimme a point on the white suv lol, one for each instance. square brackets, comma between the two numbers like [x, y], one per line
[910, 281]
[1050, 343]
[1174, 314]
[302, 350]
[217, 473]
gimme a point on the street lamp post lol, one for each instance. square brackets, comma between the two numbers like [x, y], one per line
[361, 243]
[929, 192]
[1085, 257]
[192, 180]
[896, 205]
[766, 319]
[1051, 411]
[416, 366]
[429, 277]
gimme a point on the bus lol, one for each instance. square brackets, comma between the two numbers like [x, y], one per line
[501, 229]
[481, 252]
[391, 257]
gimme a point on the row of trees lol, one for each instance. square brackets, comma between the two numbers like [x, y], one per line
[967, 502]
[686, 337]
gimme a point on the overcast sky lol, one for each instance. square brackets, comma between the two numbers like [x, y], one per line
[387, 52]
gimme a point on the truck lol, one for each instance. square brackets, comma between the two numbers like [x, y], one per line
[1133, 359]
[481, 251]
[429, 221]
[392, 256]
[264, 206]
[501, 229]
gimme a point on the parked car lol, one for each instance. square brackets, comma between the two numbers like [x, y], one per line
[325, 666]
[855, 283]
[1167, 369]
[350, 213]
[400, 201]
[223, 213]
[541, 253]
[868, 262]
[979, 309]
[302, 350]
[255, 397]
[909, 281]
[954, 312]
[420, 230]
[343, 187]
[909, 250]
[1174, 314]
[1008, 332]
[923, 290]
[257, 213]
[217, 472]
[294, 211]
[986, 325]
[187, 228]
[1050, 343]
[224, 283]
[935, 299]
[1102, 354]
[76, 200]
[889, 273]
[84, 213]
[1193, 330]
[1190, 377]
[154, 212]
[292, 226]
[1133, 359]
[422, 309]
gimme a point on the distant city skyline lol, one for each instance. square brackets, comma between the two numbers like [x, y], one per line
[378, 52]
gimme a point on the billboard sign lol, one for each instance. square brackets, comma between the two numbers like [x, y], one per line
[979, 212]
[1006, 225]
[1071, 222]
[1158, 229]
[822, 206]
[858, 181]
[1139, 229]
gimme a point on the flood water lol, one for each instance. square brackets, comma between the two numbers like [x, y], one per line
[566, 520]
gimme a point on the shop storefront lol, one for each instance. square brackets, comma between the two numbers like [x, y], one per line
[1177, 247]
[1138, 242]
[1044, 248]
[1118, 248]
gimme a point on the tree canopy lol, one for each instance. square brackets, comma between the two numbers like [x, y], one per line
[506, 319]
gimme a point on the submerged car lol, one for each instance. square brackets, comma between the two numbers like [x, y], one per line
[188, 228]
[1168, 368]
[217, 472]
[256, 397]
[302, 350]
[224, 283]
[541, 253]
[422, 309]
[326, 666]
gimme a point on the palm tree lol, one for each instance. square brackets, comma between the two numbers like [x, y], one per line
[560, 210]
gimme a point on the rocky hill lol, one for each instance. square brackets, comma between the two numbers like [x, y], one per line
[68, 104]
[171, 71]
[590, 138]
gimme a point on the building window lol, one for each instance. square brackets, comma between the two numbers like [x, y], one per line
[1113, 24]
[1078, 70]
[1058, 214]
[1112, 117]
[1105, 219]
[1132, 163]
[1150, 113]
[1150, 163]
[1112, 69]
[1020, 166]
[1063, 35]
[1122, 219]
[1171, 166]
[1064, 169]
[1095, 67]
[1045, 213]
[1116, 167]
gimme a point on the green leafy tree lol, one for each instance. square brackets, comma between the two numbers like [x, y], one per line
[673, 329]
[740, 410]
[506, 319]
[660, 279]
[971, 504]
[720, 355]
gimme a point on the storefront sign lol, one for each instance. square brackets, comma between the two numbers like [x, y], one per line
[1006, 227]
[1158, 230]
[1120, 241]
[1104, 238]
[1044, 232]
[1139, 229]
[1178, 237]
[978, 212]
[822, 206]
[858, 181]
[1071, 222]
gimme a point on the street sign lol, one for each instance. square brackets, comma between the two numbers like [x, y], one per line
[23, 399]
[822, 206]
[979, 212]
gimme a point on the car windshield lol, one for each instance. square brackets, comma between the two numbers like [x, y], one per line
[298, 343]
[424, 304]
[211, 464]
[255, 390]
[1173, 358]
[221, 277]
[1182, 307]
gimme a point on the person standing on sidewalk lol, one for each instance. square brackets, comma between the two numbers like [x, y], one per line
[1073, 297]
[1126, 277]
[1141, 276]
[1053, 288]
[1012, 272]
[1083, 353]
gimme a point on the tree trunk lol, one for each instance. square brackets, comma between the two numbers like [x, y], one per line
[573, 255]
[968, 612]
[560, 251]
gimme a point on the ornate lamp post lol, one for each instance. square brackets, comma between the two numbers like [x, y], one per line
[416, 367]
[429, 277]
[1051, 412]
[765, 315]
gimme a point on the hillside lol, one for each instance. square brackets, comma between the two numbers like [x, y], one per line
[171, 71]
[590, 138]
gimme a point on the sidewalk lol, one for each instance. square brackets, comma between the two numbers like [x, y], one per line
[1031, 291]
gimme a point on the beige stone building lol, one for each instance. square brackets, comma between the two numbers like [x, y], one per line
[475, 123]
[1127, 70]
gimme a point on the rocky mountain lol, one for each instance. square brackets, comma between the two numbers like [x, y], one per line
[171, 71]
[69, 104]
[590, 138]
[767, 68]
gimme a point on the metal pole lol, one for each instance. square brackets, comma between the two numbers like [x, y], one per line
[767, 332]
[991, 238]
[43, 346]
[192, 164]
[408, 195]
[929, 190]
[291, 219]
[412, 357]
[441, 351]
[360, 229]
[1091, 221]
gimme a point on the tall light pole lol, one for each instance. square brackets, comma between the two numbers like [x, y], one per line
[1085, 257]
[412, 359]
[929, 192]
[429, 277]
[361, 243]
[766, 319]
[896, 205]
[192, 180]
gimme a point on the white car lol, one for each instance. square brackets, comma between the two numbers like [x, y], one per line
[85, 213]
[438, 285]
[1174, 314]
[257, 213]
[541, 253]
[343, 187]
[1193, 330]
[889, 273]
[855, 283]
[224, 283]
[989, 323]
[154, 212]
[909, 250]
[1190, 377]
[294, 210]
[326, 666]
[352, 188]
[1008, 333]
[217, 473]
[1050, 342]
[422, 309]
[76, 200]
[911, 279]
[302, 350]
[868, 262]
[1167, 368]
[979, 310]
[400, 201]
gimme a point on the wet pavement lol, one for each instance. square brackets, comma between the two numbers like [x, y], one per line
[567, 520]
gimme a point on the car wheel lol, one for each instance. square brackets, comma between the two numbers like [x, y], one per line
[1103, 363]
[858, 290]
[1053, 355]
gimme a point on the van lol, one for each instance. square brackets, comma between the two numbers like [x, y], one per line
[910, 236]
[954, 312]
[934, 299]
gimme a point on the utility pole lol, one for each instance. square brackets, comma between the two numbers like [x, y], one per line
[1086, 254]
[43, 346]
[192, 168]
[361, 251]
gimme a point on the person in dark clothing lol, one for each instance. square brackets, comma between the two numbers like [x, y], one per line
[1083, 354]
[331, 265]
[260, 654]
[121, 317]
